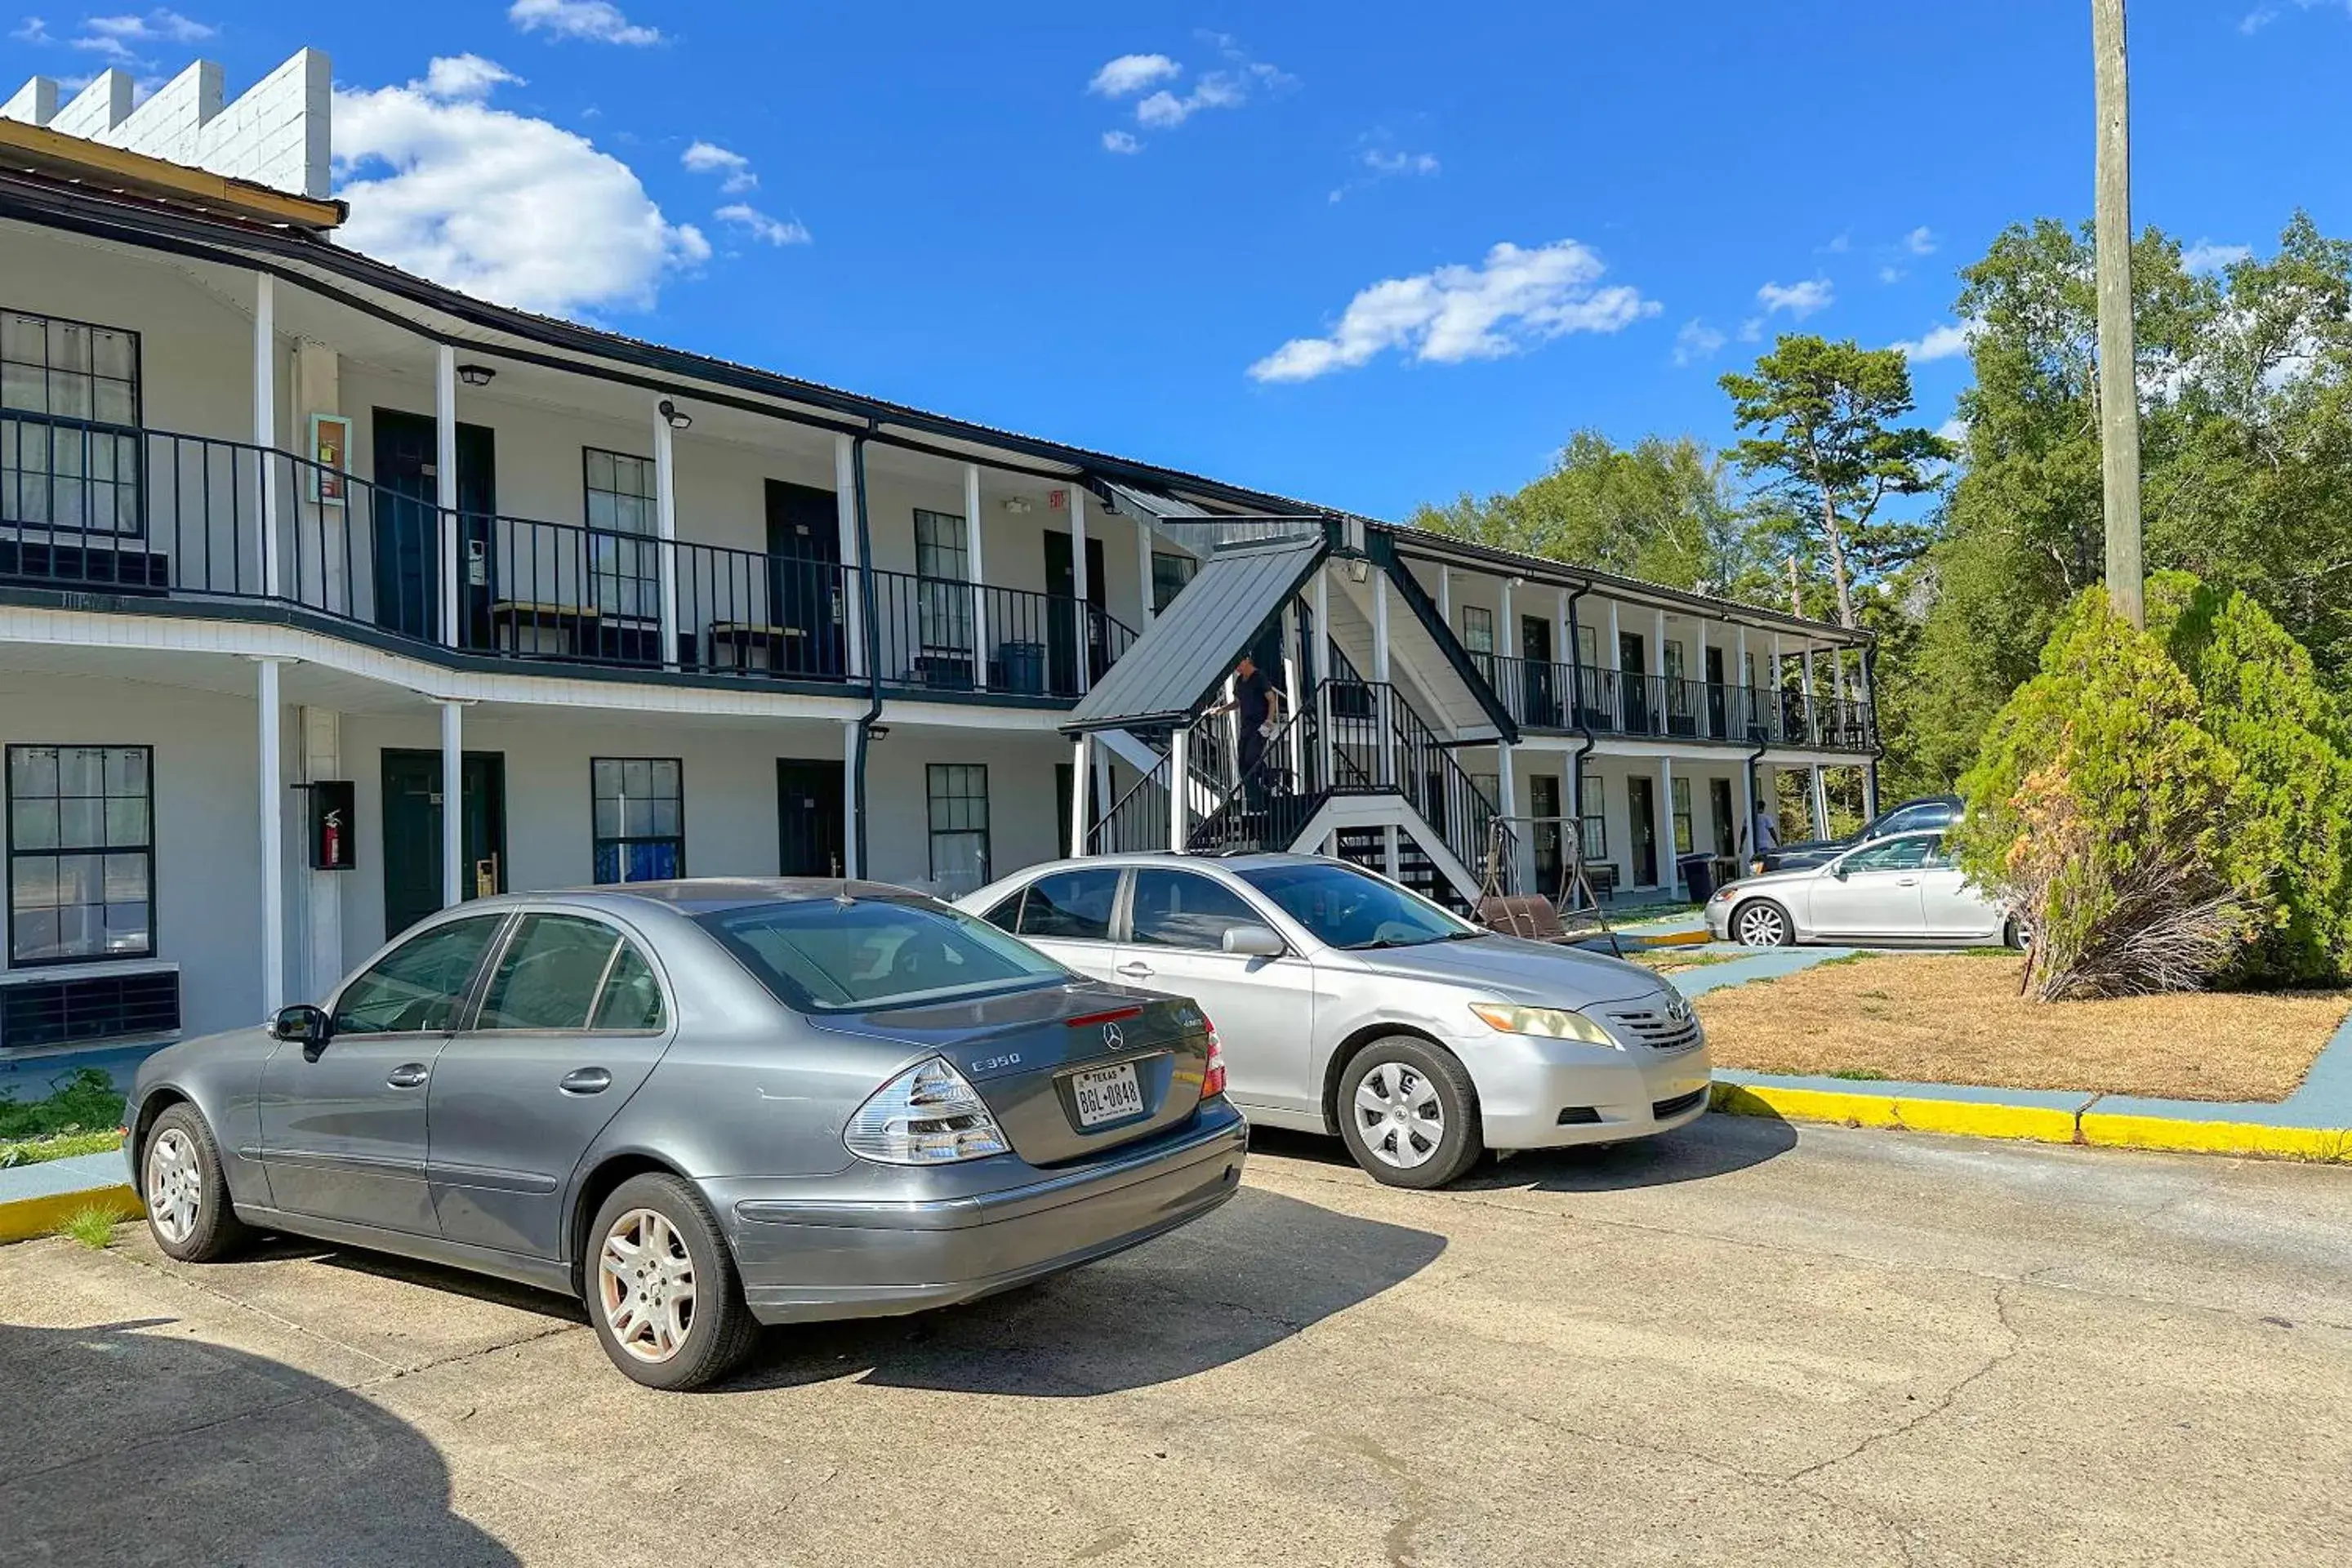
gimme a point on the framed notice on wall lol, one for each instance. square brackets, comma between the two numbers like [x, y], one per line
[329, 451]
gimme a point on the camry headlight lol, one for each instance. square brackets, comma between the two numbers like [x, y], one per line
[1544, 1023]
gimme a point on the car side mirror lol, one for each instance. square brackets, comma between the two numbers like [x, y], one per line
[1254, 941]
[301, 1025]
[1838, 871]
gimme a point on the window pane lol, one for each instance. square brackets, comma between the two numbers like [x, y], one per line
[81, 824]
[632, 998]
[33, 770]
[416, 987]
[1178, 909]
[548, 976]
[1071, 906]
[608, 816]
[35, 823]
[113, 355]
[817, 954]
[80, 771]
[600, 471]
[32, 883]
[127, 930]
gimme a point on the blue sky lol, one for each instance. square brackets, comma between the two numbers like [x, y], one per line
[1576, 208]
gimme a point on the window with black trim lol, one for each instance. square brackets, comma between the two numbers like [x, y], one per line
[1684, 838]
[640, 819]
[957, 798]
[623, 517]
[943, 589]
[1592, 800]
[1170, 574]
[69, 474]
[1478, 628]
[81, 853]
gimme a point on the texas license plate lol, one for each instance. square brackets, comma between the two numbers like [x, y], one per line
[1107, 1094]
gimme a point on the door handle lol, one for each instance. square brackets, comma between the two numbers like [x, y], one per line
[408, 1074]
[586, 1080]
[1138, 971]
[1906, 881]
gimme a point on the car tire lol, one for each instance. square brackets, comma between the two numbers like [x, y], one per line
[1760, 922]
[186, 1192]
[1387, 1098]
[665, 1253]
[2016, 936]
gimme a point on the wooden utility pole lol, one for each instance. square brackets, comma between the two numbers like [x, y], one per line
[2118, 362]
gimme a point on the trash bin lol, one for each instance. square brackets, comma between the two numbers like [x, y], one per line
[1024, 664]
[1698, 870]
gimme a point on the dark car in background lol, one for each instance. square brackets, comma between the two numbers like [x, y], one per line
[699, 1106]
[1937, 811]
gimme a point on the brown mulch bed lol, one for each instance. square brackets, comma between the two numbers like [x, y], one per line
[1958, 1018]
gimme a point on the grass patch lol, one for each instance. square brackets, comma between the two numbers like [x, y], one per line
[93, 1226]
[84, 1102]
[17, 1151]
[1952, 1019]
[1860, 1075]
[1673, 961]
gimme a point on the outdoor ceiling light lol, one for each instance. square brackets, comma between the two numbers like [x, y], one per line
[476, 375]
[669, 412]
[1359, 571]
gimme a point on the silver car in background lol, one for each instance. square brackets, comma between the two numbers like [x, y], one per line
[699, 1106]
[1899, 890]
[1347, 1004]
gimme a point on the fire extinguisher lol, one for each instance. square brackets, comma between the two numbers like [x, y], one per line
[330, 841]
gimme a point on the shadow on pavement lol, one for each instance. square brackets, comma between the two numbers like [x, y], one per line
[135, 1443]
[1253, 1274]
[1714, 1146]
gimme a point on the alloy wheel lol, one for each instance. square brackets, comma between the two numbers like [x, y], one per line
[1760, 925]
[645, 1286]
[1399, 1115]
[175, 1186]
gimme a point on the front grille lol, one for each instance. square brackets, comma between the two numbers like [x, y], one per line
[1578, 1116]
[88, 1007]
[1653, 1028]
[1664, 1108]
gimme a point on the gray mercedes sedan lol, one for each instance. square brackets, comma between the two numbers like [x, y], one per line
[699, 1107]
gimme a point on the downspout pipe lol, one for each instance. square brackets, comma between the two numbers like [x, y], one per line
[1576, 711]
[1870, 685]
[872, 639]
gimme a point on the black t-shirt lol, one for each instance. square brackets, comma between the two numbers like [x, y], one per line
[1252, 691]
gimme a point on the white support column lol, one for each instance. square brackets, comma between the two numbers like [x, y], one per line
[1323, 668]
[453, 804]
[1667, 849]
[1082, 774]
[265, 423]
[445, 471]
[1706, 715]
[1507, 642]
[1660, 704]
[1391, 855]
[1563, 652]
[1380, 677]
[1083, 618]
[851, 736]
[1507, 799]
[980, 643]
[273, 842]
[1778, 709]
[666, 533]
[1821, 805]
[323, 896]
[1745, 839]
[1446, 594]
[1746, 701]
[1290, 690]
[844, 511]
[1144, 585]
[1805, 682]
[1179, 780]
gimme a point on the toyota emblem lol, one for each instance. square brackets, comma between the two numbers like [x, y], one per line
[1678, 1011]
[1112, 1039]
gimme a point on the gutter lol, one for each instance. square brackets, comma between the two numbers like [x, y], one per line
[873, 645]
[1575, 708]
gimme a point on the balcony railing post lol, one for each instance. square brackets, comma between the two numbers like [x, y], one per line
[980, 640]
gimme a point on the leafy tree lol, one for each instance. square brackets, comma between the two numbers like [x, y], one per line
[1661, 510]
[1830, 451]
[2099, 809]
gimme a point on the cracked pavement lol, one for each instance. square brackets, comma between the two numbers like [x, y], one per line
[1747, 1343]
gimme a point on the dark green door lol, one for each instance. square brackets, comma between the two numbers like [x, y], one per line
[407, 527]
[1642, 820]
[1061, 628]
[412, 833]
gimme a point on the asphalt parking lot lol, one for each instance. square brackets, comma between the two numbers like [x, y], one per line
[1748, 1343]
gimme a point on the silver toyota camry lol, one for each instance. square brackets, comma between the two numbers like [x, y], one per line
[1349, 1005]
[699, 1106]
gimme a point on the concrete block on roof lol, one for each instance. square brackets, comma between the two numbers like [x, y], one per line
[279, 132]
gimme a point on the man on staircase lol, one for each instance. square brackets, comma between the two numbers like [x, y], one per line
[1261, 716]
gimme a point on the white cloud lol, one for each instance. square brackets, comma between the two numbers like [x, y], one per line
[1920, 241]
[496, 204]
[599, 21]
[1948, 340]
[1891, 274]
[33, 30]
[1841, 245]
[1164, 111]
[2206, 256]
[774, 231]
[158, 26]
[1382, 163]
[1695, 341]
[1133, 73]
[1513, 299]
[1121, 142]
[1752, 331]
[1955, 430]
[109, 48]
[1800, 299]
[707, 158]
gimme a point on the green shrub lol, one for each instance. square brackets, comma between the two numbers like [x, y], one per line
[85, 1102]
[2097, 810]
[2290, 812]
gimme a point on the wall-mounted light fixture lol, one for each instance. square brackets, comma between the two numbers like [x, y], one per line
[678, 420]
[877, 731]
[476, 375]
[1359, 571]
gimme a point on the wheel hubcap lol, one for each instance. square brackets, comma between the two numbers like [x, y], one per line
[1399, 1115]
[175, 1187]
[1761, 928]
[646, 1284]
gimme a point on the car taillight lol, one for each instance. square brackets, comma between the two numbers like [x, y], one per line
[927, 1115]
[1213, 1081]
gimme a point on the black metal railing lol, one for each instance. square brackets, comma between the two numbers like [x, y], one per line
[1136, 821]
[86, 505]
[1550, 695]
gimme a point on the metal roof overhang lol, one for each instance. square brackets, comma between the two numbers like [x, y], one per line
[1185, 654]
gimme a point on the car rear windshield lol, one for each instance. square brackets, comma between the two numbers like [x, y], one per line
[1345, 908]
[824, 955]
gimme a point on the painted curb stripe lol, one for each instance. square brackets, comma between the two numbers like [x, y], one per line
[2035, 1123]
[28, 1217]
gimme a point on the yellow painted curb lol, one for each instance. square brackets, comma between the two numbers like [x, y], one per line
[1674, 939]
[2116, 1129]
[2038, 1123]
[28, 1217]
